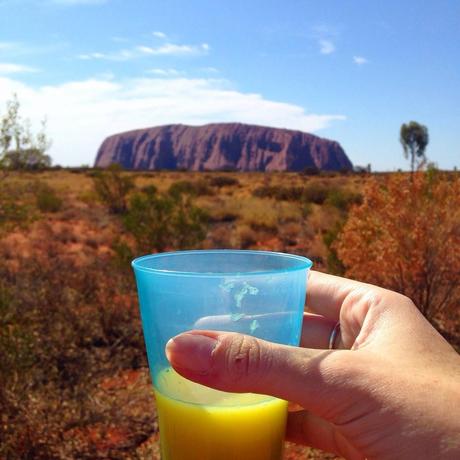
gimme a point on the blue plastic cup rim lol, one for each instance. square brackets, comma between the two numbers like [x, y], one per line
[301, 263]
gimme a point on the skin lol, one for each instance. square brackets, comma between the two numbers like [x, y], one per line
[390, 391]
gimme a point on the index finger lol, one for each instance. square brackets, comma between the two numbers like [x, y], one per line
[326, 293]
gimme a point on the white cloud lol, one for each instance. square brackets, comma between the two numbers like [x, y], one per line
[7, 68]
[159, 34]
[95, 55]
[326, 36]
[168, 49]
[175, 50]
[360, 60]
[82, 113]
[210, 69]
[326, 46]
[165, 72]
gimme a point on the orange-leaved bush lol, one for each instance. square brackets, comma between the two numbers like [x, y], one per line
[405, 236]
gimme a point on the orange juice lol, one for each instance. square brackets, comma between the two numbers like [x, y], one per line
[214, 425]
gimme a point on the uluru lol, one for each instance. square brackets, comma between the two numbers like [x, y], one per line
[221, 146]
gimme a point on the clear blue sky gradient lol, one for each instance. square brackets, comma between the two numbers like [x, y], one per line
[377, 64]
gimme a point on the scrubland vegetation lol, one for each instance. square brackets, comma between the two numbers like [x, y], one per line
[73, 373]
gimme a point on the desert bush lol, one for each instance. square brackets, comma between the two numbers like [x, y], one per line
[245, 237]
[266, 214]
[220, 237]
[88, 197]
[160, 221]
[221, 210]
[61, 328]
[112, 188]
[256, 211]
[403, 237]
[66, 235]
[46, 198]
[12, 213]
[16, 342]
[316, 193]
[220, 215]
[195, 188]
[15, 210]
[278, 192]
[223, 181]
[92, 242]
[261, 226]
[123, 255]
[306, 209]
[342, 199]
[290, 233]
[334, 264]
[264, 191]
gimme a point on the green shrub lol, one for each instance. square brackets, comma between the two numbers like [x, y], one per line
[47, 200]
[160, 221]
[112, 188]
[123, 255]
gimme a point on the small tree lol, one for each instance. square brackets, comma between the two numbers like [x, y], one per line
[404, 237]
[112, 188]
[414, 139]
[19, 147]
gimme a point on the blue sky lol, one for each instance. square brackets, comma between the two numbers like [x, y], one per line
[351, 71]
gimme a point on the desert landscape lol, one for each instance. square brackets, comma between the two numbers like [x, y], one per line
[74, 378]
[326, 130]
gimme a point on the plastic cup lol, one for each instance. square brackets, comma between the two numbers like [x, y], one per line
[259, 293]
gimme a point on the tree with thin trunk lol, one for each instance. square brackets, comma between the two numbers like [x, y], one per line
[19, 147]
[414, 139]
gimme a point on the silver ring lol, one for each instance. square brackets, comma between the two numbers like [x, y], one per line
[334, 334]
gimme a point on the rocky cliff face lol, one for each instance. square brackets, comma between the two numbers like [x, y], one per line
[221, 146]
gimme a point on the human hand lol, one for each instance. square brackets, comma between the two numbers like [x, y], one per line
[391, 390]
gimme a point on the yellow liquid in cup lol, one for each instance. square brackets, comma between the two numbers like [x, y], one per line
[217, 425]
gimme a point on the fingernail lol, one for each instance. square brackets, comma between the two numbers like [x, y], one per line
[191, 352]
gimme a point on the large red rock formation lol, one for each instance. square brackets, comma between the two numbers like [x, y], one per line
[221, 146]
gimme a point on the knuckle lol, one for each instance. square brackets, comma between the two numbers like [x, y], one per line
[243, 358]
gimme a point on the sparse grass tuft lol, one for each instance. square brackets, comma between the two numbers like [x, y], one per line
[47, 199]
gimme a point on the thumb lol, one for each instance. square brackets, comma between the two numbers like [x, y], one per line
[240, 363]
